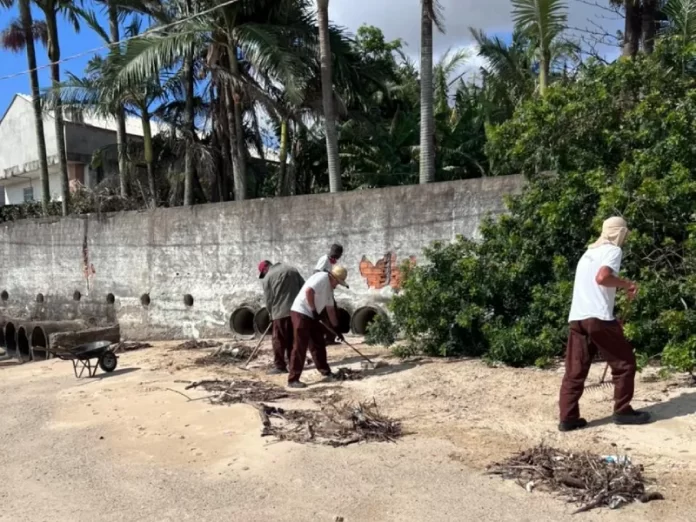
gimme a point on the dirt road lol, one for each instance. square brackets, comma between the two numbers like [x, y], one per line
[124, 447]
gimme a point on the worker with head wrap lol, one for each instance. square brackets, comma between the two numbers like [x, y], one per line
[593, 327]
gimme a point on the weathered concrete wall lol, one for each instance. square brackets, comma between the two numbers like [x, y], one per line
[211, 252]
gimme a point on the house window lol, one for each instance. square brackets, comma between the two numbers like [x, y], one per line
[28, 194]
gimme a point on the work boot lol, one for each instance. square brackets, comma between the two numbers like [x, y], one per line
[631, 417]
[297, 385]
[276, 371]
[571, 425]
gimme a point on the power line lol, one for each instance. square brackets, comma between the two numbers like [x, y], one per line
[119, 42]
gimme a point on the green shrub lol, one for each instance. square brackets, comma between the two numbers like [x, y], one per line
[620, 141]
[380, 331]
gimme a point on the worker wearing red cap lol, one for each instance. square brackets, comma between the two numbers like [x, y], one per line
[281, 284]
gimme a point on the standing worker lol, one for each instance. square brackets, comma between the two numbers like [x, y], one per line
[315, 296]
[325, 264]
[281, 284]
[593, 327]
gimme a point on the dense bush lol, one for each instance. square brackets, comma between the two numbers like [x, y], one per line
[620, 140]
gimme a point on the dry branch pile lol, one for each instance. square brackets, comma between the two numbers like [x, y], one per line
[346, 374]
[195, 344]
[240, 391]
[334, 425]
[130, 346]
[582, 478]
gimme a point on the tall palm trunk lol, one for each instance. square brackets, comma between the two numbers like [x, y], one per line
[237, 169]
[27, 24]
[649, 23]
[237, 131]
[327, 98]
[190, 129]
[54, 57]
[283, 159]
[149, 156]
[427, 123]
[544, 69]
[632, 28]
[121, 137]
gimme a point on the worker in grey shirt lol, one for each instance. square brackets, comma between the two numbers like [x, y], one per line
[281, 284]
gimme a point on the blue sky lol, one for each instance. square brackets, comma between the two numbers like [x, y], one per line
[70, 44]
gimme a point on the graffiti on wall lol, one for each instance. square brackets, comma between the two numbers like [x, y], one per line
[385, 272]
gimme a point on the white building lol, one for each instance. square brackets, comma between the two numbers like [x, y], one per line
[20, 174]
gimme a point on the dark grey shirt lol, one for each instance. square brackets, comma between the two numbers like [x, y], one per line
[280, 287]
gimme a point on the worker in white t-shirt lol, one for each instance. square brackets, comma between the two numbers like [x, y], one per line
[325, 264]
[593, 327]
[314, 298]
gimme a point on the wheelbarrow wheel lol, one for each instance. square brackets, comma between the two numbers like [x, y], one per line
[108, 361]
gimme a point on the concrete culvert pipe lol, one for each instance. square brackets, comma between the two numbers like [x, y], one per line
[362, 318]
[23, 350]
[261, 320]
[40, 332]
[343, 320]
[10, 338]
[242, 321]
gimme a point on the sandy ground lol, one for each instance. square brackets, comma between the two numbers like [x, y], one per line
[123, 446]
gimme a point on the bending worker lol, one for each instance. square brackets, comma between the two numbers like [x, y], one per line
[325, 264]
[281, 284]
[308, 333]
[593, 327]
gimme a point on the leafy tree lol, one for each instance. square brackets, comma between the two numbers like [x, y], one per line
[619, 140]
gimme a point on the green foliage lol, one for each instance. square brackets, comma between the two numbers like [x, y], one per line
[381, 331]
[620, 140]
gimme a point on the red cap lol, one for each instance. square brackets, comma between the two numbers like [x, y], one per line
[263, 266]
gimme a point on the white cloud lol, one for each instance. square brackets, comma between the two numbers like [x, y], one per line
[401, 19]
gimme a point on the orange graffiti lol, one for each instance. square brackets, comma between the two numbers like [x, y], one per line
[384, 272]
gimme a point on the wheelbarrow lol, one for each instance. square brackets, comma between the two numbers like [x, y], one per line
[88, 356]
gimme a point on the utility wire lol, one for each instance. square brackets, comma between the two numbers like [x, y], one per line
[119, 42]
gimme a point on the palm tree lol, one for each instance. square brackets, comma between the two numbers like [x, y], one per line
[328, 98]
[543, 21]
[51, 9]
[21, 35]
[431, 12]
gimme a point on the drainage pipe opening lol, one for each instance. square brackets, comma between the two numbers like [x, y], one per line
[261, 320]
[362, 318]
[23, 351]
[39, 343]
[10, 338]
[343, 320]
[242, 321]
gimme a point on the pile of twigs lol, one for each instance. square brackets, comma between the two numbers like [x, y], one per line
[195, 344]
[346, 374]
[583, 478]
[127, 346]
[335, 425]
[240, 390]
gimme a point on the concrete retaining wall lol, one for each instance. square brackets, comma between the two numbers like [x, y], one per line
[103, 268]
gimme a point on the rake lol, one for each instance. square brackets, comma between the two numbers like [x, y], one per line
[602, 384]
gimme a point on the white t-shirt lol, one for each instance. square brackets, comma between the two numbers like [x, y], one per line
[324, 265]
[323, 294]
[590, 300]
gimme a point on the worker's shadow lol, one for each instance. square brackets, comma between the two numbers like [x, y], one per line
[679, 406]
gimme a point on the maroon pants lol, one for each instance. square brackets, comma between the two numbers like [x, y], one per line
[307, 334]
[282, 342]
[584, 339]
